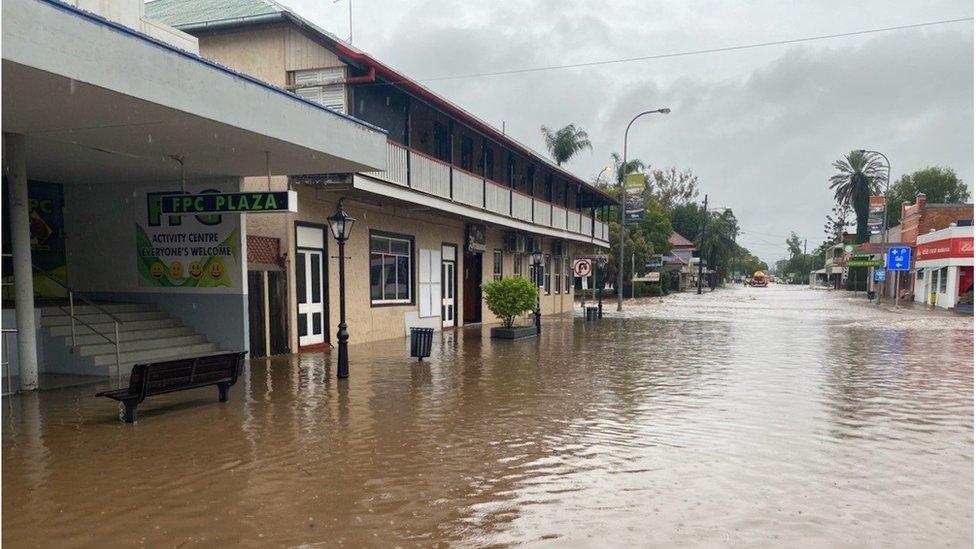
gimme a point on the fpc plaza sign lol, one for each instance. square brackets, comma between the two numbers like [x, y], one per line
[254, 202]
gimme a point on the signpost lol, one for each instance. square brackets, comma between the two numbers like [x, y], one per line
[582, 268]
[219, 203]
[899, 260]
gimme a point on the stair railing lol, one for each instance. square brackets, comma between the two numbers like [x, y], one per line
[73, 318]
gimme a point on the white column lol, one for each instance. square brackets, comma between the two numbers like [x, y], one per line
[16, 156]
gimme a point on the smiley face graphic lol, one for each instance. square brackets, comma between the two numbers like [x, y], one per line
[196, 270]
[157, 269]
[176, 270]
[216, 270]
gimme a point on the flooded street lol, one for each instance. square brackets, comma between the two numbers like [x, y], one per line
[753, 417]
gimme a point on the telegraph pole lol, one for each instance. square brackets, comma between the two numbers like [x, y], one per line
[701, 245]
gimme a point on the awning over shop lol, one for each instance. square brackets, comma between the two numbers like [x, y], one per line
[100, 102]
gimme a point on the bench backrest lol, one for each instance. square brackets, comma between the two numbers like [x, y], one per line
[163, 377]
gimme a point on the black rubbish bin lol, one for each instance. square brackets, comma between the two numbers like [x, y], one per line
[420, 341]
[592, 313]
[871, 295]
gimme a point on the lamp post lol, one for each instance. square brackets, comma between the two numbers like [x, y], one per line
[537, 261]
[623, 202]
[341, 224]
[884, 221]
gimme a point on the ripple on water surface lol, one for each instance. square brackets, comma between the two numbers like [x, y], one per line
[775, 416]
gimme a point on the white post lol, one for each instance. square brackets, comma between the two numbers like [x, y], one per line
[16, 153]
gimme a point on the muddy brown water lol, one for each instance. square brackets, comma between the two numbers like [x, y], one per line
[750, 417]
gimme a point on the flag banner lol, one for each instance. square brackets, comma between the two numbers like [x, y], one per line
[634, 193]
[876, 213]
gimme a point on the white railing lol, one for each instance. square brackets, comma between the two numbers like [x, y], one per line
[497, 198]
[558, 218]
[522, 207]
[573, 221]
[543, 212]
[586, 225]
[601, 231]
[429, 175]
[396, 165]
[468, 188]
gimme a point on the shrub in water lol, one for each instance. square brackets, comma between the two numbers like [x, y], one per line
[510, 297]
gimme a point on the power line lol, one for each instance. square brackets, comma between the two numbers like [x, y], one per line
[697, 52]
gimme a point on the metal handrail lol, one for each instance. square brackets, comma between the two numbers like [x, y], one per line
[5, 360]
[82, 297]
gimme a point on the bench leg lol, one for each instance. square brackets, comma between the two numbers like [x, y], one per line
[130, 411]
[223, 388]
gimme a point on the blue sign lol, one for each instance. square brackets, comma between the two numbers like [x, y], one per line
[879, 275]
[899, 258]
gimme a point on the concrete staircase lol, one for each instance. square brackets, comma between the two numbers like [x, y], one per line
[146, 333]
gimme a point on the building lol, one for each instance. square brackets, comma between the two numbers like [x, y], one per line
[106, 112]
[459, 203]
[921, 218]
[682, 261]
[944, 267]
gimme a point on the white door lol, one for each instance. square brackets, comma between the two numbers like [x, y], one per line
[309, 286]
[430, 283]
[448, 285]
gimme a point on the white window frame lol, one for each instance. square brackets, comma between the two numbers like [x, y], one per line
[547, 274]
[500, 273]
[389, 253]
[318, 84]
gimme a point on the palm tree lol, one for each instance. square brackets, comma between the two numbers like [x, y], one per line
[565, 143]
[860, 174]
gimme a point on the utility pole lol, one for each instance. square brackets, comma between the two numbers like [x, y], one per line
[701, 245]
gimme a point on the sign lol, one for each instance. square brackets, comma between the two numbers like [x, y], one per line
[474, 240]
[945, 248]
[649, 277]
[582, 268]
[256, 202]
[655, 263]
[595, 258]
[876, 213]
[634, 197]
[899, 258]
[863, 263]
[879, 275]
[848, 248]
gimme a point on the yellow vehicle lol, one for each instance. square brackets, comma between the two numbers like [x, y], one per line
[759, 280]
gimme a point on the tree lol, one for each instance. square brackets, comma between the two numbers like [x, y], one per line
[686, 219]
[793, 243]
[510, 297]
[565, 143]
[672, 187]
[939, 185]
[859, 176]
[837, 223]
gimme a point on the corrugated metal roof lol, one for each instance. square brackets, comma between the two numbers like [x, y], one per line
[186, 12]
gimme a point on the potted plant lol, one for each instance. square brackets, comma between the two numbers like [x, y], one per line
[508, 298]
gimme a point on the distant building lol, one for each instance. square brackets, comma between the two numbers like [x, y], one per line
[944, 267]
[681, 260]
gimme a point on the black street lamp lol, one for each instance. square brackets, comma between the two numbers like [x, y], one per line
[537, 261]
[341, 224]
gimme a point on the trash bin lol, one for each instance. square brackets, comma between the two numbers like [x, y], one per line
[420, 341]
[592, 313]
[871, 295]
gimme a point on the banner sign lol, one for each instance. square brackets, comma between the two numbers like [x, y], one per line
[187, 251]
[876, 213]
[595, 258]
[254, 202]
[945, 248]
[634, 193]
[862, 263]
[649, 277]
[475, 237]
[899, 258]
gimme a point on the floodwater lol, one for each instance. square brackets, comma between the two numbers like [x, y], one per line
[750, 417]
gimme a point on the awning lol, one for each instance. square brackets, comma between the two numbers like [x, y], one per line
[100, 102]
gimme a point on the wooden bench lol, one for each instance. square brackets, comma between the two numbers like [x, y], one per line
[159, 378]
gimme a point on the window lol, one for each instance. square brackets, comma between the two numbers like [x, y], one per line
[943, 279]
[547, 274]
[511, 171]
[467, 152]
[323, 86]
[558, 274]
[390, 269]
[496, 265]
[442, 142]
[568, 272]
[517, 266]
[489, 163]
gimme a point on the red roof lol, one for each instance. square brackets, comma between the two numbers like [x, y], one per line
[678, 241]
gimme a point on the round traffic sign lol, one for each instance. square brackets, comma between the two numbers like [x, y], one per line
[582, 267]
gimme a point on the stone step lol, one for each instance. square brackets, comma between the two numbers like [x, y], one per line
[81, 308]
[154, 355]
[98, 318]
[178, 342]
[108, 328]
[131, 335]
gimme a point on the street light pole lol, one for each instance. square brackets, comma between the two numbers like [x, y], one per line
[884, 222]
[701, 245]
[341, 225]
[537, 261]
[623, 202]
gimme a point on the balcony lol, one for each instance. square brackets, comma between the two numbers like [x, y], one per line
[424, 173]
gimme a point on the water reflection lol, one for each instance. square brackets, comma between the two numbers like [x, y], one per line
[758, 417]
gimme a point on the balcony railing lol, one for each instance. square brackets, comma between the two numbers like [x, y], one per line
[409, 168]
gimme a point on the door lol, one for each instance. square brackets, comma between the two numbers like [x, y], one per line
[472, 287]
[309, 284]
[448, 285]
[256, 314]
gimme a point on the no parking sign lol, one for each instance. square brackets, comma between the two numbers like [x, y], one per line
[582, 268]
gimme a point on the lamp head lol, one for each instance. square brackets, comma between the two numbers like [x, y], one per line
[665, 110]
[341, 224]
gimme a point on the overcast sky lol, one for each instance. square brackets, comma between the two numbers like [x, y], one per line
[759, 127]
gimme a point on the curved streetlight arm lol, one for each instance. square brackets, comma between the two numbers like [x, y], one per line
[884, 218]
[623, 202]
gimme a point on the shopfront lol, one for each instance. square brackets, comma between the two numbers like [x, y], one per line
[944, 268]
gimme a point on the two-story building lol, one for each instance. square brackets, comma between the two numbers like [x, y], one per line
[944, 267]
[459, 203]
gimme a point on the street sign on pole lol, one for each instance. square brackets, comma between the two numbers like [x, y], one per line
[582, 268]
[899, 258]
